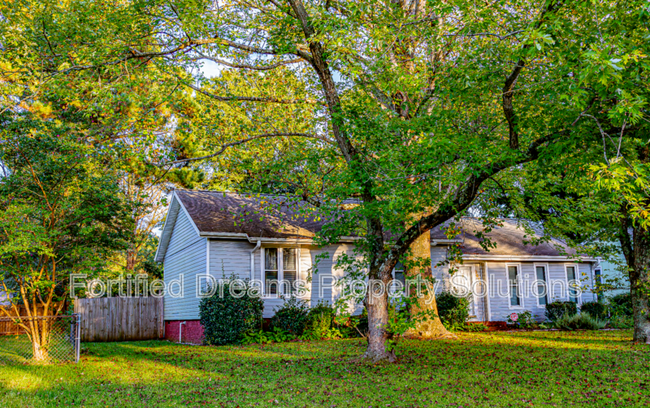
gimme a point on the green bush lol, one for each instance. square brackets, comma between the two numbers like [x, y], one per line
[621, 322]
[621, 305]
[361, 323]
[525, 320]
[262, 337]
[473, 327]
[595, 309]
[292, 316]
[226, 318]
[320, 319]
[581, 321]
[557, 310]
[452, 310]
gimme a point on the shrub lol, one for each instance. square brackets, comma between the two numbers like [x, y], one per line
[262, 337]
[361, 323]
[292, 316]
[621, 322]
[595, 309]
[226, 318]
[473, 327]
[556, 310]
[581, 321]
[621, 305]
[319, 320]
[525, 320]
[453, 311]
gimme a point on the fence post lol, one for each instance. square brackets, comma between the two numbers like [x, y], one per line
[77, 342]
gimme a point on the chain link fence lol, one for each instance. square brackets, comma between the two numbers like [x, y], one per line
[39, 340]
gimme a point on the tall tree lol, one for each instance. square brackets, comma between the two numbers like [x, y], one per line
[597, 192]
[409, 112]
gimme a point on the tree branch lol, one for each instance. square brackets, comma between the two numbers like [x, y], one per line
[511, 80]
[329, 86]
[246, 98]
[253, 67]
[225, 146]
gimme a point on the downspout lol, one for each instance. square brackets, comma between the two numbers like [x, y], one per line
[259, 244]
[180, 332]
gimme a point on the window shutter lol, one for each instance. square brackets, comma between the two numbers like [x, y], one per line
[298, 268]
[262, 277]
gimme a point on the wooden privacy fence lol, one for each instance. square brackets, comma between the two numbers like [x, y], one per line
[121, 318]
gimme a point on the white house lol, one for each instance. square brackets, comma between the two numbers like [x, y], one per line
[208, 233]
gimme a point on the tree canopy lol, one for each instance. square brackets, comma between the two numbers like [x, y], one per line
[414, 109]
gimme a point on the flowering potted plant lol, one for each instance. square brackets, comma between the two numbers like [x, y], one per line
[513, 318]
[524, 320]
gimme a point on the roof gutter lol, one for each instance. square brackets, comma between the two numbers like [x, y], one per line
[530, 258]
[244, 236]
[435, 242]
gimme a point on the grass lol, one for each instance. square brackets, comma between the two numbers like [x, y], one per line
[518, 369]
[17, 349]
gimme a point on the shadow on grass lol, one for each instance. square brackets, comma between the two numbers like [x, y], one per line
[479, 369]
[15, 349]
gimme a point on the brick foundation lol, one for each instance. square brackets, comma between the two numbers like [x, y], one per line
[192, 331]
[496, 326]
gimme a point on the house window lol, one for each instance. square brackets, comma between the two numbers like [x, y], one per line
[271, 270]
[542, 286]
[513, 277]
[289, 268]
[572, 277]
[398, 276]
[399, 273]
[599, 278]
[280, 270]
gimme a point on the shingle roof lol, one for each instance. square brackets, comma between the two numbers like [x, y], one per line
[509, 239]
[257, 216]
[263, 216]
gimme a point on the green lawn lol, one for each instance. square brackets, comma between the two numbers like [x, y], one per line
[488, 369]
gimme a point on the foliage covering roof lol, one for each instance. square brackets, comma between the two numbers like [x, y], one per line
[267, 216]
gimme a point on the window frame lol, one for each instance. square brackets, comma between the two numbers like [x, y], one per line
[598, 281]
[576, 271]
[394, 275]
[280, 250]
[519, 287]
[546, 283]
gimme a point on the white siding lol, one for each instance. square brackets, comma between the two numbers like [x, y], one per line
[185, 260]
[186, 255]
[556, 281]
[588, 283]
[228, 258]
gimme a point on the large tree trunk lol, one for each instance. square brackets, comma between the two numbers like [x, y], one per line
[640, 285]
[431, 328]
[377, 306]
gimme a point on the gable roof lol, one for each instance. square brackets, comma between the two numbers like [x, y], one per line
[267, 218]
[509, 238]
[256, 216]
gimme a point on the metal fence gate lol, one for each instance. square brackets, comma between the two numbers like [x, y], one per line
[40, 339]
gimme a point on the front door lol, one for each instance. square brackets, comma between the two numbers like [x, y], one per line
[463, 285]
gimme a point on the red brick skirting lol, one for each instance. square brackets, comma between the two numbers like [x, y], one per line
[493, 326]
[192, 331]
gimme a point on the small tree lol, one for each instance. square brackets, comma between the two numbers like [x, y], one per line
[60, 213]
